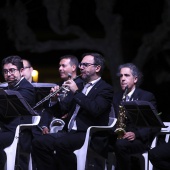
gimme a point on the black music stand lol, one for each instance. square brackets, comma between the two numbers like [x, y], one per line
[42, 90]
[143, 114]
[12, 104]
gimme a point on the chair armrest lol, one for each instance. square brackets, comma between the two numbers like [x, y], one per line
[91, 130]
[35, 121]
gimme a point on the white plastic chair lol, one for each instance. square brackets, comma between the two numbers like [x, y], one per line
[81, 153]
[147, 164]
[144, 157]
[11, 150]
[164, 131]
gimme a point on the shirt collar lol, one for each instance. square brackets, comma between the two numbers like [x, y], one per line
[131, 92]
[95, 81]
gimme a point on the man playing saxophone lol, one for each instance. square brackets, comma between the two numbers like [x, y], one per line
[134, 140]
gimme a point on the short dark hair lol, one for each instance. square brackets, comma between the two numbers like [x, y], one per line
[13, 59]
[73, 59]
[135, 71]
[98, 60]
[29, 63]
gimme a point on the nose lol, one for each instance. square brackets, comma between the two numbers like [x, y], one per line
[60, 68]
[123, 77]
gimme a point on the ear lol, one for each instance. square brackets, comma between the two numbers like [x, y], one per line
[98, 67]
[135, 80]
[73, 67]
[21, 70]
[31, 68]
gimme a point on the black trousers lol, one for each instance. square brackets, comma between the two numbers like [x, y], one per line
[124, 149]
[160, 156]
[55, 151]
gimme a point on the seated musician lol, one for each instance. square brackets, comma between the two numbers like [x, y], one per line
[12, 68]
[68, 66]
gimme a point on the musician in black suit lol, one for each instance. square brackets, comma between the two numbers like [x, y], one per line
[92, 110]
[160, 156]
[134, 140]
[68, 68]
[12, 68]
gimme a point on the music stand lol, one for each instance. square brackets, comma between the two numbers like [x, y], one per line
[142, 114]
[12, 104]
[42, 90]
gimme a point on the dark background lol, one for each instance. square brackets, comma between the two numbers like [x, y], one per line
[139, 17]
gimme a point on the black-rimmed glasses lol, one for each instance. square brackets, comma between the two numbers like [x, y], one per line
[11, 71]
[86, 64]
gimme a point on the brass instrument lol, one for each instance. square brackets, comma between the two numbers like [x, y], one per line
[120, 124]
[56, 125]
[63, 90]
[120, 130]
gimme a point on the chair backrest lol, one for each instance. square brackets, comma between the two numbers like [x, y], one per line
[12, 149]
[82, 152]
[112, 112]
[166, 130]
[112, 121]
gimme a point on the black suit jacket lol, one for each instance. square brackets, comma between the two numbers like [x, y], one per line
[144, 134]
[27, 91]
[95, 107]
[60, 108]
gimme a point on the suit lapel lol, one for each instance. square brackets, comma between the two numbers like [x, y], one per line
[135, 95]
[95, 87]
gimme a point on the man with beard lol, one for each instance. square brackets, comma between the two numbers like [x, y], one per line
[89, 107]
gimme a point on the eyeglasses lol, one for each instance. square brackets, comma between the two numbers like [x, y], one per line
[11, 71]
[86, 64]
[27, 67]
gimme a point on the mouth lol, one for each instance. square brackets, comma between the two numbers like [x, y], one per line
[11, 78]
[123, 85]
[62, 74]
[83, 74]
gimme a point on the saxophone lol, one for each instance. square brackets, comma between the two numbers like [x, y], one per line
[120, 124]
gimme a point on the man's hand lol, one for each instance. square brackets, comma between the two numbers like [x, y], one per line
[53, 89]
[45, 130]
[71, 85]
[129, 135]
